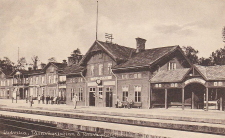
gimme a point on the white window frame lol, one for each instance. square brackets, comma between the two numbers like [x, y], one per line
[80, 94]
[100, 92]
[100, 69]
[92, 70]
[109, 68]
[125, 93]
[137, 93]
[172, 66]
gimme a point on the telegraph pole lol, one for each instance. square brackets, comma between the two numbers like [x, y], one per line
[97, 23]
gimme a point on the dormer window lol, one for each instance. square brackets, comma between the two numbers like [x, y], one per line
[172, 66]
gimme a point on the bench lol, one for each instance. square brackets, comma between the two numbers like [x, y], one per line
[62, 102]
[133, 105]
[137, 105]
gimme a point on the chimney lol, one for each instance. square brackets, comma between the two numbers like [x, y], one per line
[43, 65]
[70, 61]
[64, 61]
[140, 44]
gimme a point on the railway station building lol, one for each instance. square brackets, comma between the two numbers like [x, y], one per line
[152, 78]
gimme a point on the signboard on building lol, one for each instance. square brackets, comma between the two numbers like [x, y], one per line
[198, 80]
[101, 78]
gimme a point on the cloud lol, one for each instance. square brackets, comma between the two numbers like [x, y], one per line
[174, 29]
[47, 32]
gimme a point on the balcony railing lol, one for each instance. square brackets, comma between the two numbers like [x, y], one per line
[20, 84]
[62, 82]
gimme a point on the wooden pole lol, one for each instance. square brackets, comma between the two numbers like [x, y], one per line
[166, 99]
[192, 100]
[182, 98]
[221, 100]
[207, 99]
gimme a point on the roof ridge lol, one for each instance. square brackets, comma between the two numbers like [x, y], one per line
[163, 47]
[116, 44]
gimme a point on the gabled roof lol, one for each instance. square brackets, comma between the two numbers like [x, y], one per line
[6, 72]
[147, 57]
[59, 66]
[170, 75]
[212, 72]
[37, 71]
[23, 72]
[73, 69]
[117, 52]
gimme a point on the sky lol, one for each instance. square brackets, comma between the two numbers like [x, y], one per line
[54, 28]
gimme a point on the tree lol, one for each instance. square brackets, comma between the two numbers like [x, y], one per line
[76, 52]
[52, 59]
[218, 57]
[22, 63]
[191, 54]
[75, 57]
[206, 61]
[35, 60]
[6, 64]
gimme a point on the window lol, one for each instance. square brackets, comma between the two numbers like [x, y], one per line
[173, 85]
[92, 70]
[72, 94]
[109, 68]
[54, 79]
[62, 78]
[108, 89]
[100, 92]
[100, 69]
[43, 79]
[8, 82]
[172, 66]
[43, 90]
[52, 69]
[36, 80]
[80, 94]
[137, 75]
[92, 90]
[50, 79]
[137, 90]
[124, 76]
[80, 79]
[31, 80]
[125, 92]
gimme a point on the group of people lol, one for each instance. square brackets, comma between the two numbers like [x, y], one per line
[126, 104]
[48, 99]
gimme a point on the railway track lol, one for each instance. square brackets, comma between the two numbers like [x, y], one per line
[16, 128]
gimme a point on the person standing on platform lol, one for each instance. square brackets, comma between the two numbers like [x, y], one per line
[31, 101]
[43, 99]
[39, 99]
[75, 101]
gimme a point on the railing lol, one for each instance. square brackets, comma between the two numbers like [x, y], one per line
[20, 84]
[62, 82]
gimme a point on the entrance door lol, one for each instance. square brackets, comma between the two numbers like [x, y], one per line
[108, 99]
[21, 93]
[91, 98]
